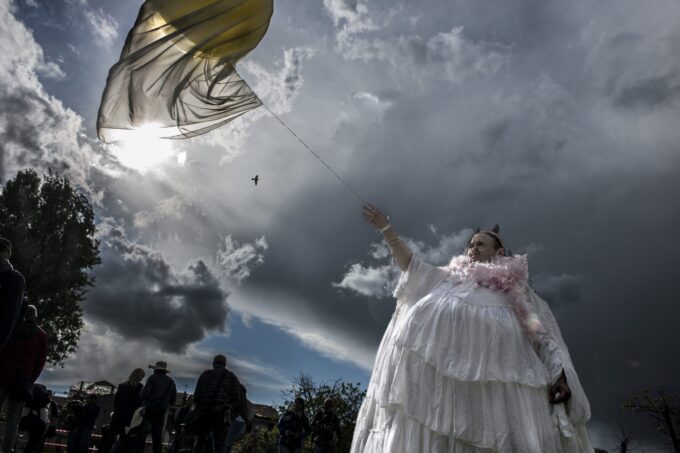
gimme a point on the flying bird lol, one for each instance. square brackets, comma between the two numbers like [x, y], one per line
[255, 179]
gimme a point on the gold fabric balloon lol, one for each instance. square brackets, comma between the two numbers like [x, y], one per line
[228, 29]
[176, 75]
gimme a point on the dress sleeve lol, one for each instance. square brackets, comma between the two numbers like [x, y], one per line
[418, 280]
[553, 352]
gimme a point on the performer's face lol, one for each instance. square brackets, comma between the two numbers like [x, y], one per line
[482, 247]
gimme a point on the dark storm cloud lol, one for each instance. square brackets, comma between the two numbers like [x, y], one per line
[641, 71]
[140, 296]
[651, 92]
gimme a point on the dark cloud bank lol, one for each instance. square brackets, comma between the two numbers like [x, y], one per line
[140, 296]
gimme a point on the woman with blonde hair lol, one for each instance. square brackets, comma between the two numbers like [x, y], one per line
[126, 402]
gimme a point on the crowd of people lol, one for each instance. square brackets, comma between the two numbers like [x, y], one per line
[294, 427]
[210, 420]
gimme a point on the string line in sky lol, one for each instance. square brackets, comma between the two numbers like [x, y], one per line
[356, 194]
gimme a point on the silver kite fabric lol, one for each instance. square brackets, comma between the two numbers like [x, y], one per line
[176, 76]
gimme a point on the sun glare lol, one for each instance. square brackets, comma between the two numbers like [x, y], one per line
[143, 150]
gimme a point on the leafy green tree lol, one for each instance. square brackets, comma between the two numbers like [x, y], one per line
[347, 399]
[51, 226]
[262, 441]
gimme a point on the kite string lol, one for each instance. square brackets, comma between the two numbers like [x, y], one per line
[356, 194]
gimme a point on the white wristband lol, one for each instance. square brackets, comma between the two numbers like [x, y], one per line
[385, 228]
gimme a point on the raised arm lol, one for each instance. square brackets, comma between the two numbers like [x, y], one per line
[400, 251]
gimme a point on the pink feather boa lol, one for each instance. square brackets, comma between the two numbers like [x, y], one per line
[509, 275]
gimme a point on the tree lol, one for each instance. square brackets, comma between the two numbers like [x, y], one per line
[623, 438]
[347, 398]
[51, 226]
[262, 441]
[663, 408]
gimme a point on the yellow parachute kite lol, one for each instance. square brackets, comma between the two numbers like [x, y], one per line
[176, 76]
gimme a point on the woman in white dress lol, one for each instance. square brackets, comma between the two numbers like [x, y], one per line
[472, 361]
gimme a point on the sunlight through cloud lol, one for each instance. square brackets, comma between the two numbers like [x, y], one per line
[143, 150]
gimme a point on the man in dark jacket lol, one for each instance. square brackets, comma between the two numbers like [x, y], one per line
[293, 428]
[325, 425]
[157, 395]
[217, 398]
[21, 362]
[11, 293]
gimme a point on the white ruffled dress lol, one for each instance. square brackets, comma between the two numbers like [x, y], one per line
[456, 373]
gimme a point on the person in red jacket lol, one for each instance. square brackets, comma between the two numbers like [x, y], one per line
[21, 362]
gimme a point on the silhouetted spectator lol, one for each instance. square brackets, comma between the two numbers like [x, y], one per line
[21, 362]
[182, 436]
[36, 418]
[241, 424]
[127, 400]
[217, 398]
[293, 427]
[106, 440]
[183, 412]
[85, 419]
[53, 412]
[158, 394]
[11, 293]
[325, 425]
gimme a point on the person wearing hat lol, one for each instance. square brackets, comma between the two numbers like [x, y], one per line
[218, 400]
[472, 360]
[158, 394]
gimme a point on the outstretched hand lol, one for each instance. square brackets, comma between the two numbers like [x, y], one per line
[559, 392]
[373, 216]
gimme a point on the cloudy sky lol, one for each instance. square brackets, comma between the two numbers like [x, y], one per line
[557, 120]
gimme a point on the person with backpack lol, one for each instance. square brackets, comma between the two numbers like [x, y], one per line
[12, 286]
[21, 362]
[218, 399]
[158, 394]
